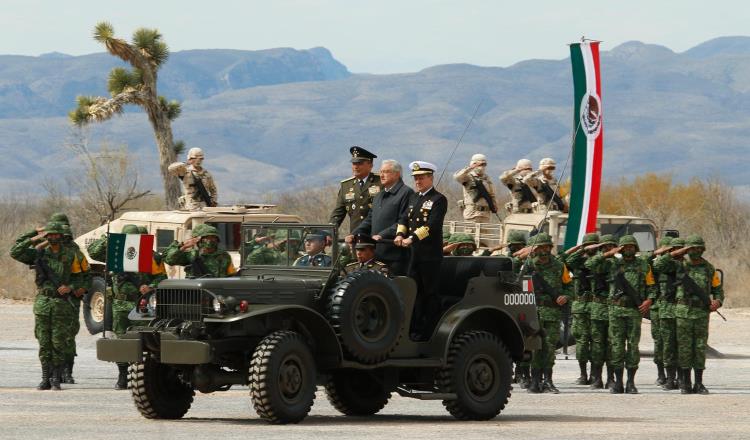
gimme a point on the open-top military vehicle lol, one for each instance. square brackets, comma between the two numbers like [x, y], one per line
[167, 226]
[283, 329]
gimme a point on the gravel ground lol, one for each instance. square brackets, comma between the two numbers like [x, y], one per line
[92, 409]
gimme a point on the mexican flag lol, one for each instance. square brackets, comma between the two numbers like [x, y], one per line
[130, 252]
[586, 171]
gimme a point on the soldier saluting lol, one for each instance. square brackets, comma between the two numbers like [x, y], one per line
[543, 182]
[479, 194]
[522, 196]
[198, 184]
[356, 193]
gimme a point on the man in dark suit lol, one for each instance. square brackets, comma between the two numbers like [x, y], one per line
[381, 222]
[421, 228]
[356, 193]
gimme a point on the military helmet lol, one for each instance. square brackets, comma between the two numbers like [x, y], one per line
[130, 229]
[194, 152]
[592, 238]
[67, 232]
[608, 239]
[547, 162]
[678, 242]
[665, 241]
[478, 158]
[516, 237]
[523, 164]
[59, 217]
[53, 228]
[206, 231]
[540, 239]
[459, 237]
[628, 239]
[695, 240]
[142, 230]
[446, 236]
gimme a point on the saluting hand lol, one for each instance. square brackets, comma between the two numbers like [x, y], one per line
[144, 289]
[561, 300]
[189, 243]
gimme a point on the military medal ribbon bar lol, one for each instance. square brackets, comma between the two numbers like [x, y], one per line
[130, 252]
[586, 170]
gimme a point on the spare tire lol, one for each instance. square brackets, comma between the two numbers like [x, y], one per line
[366, 311]
[94, 314]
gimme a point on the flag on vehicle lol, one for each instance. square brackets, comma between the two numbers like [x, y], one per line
[586, 170]
[130, 252]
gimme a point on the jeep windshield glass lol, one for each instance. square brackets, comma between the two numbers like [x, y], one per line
[229, 235]
[287, 246]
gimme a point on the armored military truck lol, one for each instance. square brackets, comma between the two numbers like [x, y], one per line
[285, 326]
[168, 226]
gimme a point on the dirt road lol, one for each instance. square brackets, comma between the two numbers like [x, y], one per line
[92, 409]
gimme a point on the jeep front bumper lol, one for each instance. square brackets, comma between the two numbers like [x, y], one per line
[171, 350]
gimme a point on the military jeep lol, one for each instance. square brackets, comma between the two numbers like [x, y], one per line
[282, 329]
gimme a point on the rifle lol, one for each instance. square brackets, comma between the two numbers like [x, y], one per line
[44, 273]
[538, 280]
[624, 287]
[550, 194]
[198, 267]
[692, 288]
[202, 191]
[482, 193]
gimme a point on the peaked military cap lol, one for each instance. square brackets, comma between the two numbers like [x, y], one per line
[359, 154]
[418, 167]
[363, 241]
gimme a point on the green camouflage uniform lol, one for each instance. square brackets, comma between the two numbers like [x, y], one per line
[217, 264]
[581, 308]
[665, 270]
[52, 312]
[655, 315]
[693, 315]
[516, 240]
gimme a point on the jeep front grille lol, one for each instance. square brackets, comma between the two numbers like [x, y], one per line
[187, 304]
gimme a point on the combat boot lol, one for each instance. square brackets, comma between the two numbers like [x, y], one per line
[610, 378]
[630, 385]
[122, 377]
[548, 386]
[617, 387]
[661, 379]
[583, 378]
[517, 374]
[671, 383]
[54, 377]
[596, 377]
[698, 388]
[44, 384]
[685, 386]
[536, 379]
[526, 378]
[67, 376]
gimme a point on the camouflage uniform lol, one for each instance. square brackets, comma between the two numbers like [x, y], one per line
[188, 174]
[476, 208]
[75, 322]
[556, 274]
[515, 241]
[264, 255]
[581, 308]
[522, 196]
[466, 245]
[655, 315]
[624, 316]
[52, 313]
[692, 314]
[665, 269]
[545, 188]
[599, 268]
[201, 262]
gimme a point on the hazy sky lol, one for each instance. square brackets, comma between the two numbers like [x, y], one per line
[377, 36]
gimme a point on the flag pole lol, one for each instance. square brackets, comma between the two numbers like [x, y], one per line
[106, 273]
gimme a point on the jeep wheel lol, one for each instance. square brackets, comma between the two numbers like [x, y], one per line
[158, 391]
[93, 307]
[479, 372]
[356, 392]
[367, 313]
[282, 378]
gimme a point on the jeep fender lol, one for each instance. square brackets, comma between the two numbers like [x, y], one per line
[314, 327]
[487, 318]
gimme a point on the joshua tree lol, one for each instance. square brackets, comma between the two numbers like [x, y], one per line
[146, 54]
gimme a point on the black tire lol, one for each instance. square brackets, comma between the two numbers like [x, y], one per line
[479, 372]
[94, 315]
[366, 311]
[158, 391]
[282, 378]
[356, 392]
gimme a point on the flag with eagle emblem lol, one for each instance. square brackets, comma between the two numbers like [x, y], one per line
[130, 252]
[586, 170]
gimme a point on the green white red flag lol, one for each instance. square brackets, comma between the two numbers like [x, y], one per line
[586, 171]
[130, 252]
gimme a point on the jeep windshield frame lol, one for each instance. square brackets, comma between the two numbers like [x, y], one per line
[268, 243]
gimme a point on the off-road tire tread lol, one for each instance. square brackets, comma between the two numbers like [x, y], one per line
[148, 405]
[342, 405]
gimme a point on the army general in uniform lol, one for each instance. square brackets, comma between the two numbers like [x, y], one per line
[356, 193]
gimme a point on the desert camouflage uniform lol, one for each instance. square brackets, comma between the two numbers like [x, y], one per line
[191, 199]
[522, 198]
[475, 208]
[537, 181]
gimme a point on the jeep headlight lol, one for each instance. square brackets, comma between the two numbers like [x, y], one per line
[152, 301]
[218, 305]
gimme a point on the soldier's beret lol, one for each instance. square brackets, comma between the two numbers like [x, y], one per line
[359, 154]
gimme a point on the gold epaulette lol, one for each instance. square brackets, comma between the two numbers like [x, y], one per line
[346, 180]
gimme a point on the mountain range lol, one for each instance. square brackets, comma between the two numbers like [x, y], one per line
[283, 119]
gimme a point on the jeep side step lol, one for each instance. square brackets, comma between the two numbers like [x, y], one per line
[397, 362]
[424, 395]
